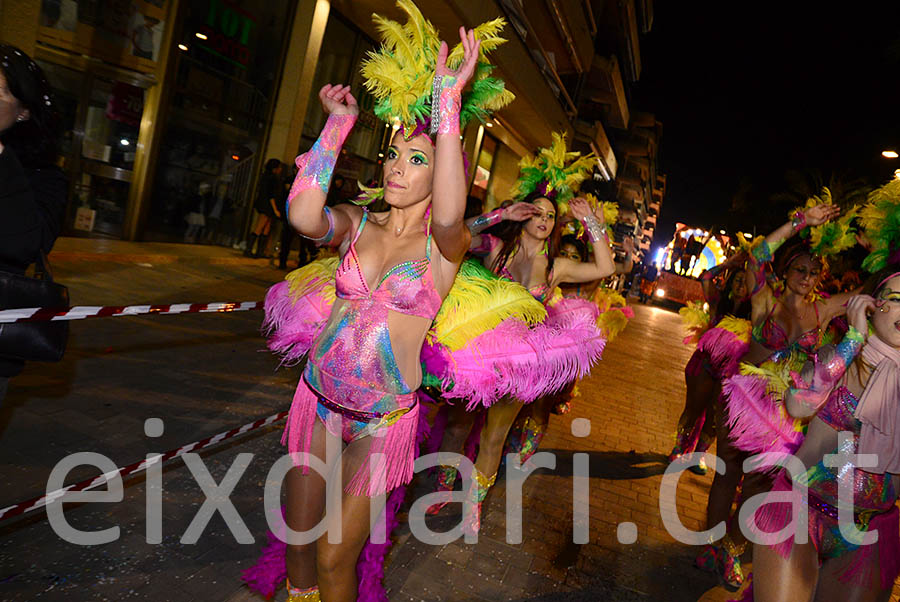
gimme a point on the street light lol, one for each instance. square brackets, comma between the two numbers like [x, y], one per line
[889, 154]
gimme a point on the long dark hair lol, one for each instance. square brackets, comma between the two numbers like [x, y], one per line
[513, 235]
[33, 140]
[739, 308]
[791, 253]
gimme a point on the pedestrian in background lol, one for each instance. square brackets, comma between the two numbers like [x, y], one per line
[32, 188]
[648, 281]
[270, 191]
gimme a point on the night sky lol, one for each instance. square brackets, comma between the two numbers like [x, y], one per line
[747, 91]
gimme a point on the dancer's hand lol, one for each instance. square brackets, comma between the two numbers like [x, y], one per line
[337, 100]
[581, 209]
[820, 214]
[628, 245]
[466, 69]
[858, 309]
[519, 212]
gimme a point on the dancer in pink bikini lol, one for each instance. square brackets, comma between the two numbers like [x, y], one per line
[395, 268]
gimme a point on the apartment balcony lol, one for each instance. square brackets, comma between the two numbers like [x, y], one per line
[594, 137]
[606, 93]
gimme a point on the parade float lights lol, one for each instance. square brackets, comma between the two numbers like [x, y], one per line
[889, 154]
[713, 253]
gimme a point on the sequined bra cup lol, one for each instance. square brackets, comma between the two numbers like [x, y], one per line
[407, 288]
[773, 337]
[352, 362]
[541, 292]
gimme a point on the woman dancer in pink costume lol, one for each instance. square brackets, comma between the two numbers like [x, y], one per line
[364, 368]
[852, 391]
[529, 256]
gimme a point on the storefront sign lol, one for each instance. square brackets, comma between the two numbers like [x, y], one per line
[84, 219]
[227, 32]
[126, 104]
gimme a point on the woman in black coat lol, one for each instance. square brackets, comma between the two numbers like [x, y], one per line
[32, 187]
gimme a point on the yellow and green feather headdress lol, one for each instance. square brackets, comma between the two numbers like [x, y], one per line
[400, 74]
[554, 172]
[832, 237]
[880, 220]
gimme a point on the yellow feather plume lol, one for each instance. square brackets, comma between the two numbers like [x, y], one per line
[401, 73]
[606, 298]
[777, 375]
[694, 320]
[316, 275]
[479, 301]
[737, 326]
[611, 323]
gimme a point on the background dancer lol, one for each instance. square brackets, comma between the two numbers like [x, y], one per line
[788, 323]
[528, 255]
[696, 428]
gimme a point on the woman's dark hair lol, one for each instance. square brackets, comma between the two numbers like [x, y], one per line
[513, 235]
[790, 253]
[739, 308]
[580, 247]
[874, 283]
[272, 165]
[33, 140]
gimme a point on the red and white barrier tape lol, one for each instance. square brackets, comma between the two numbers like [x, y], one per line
[41, 501]
[44, 314]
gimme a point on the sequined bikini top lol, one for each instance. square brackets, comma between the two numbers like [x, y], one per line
[407, 288]
[771, 335]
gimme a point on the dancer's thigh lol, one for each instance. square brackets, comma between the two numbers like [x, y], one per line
[832, 588]
[779, 579]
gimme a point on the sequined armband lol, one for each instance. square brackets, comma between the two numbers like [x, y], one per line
[850, 347]
[317, 164]
[325, 238]
[483, 222]
[446, 100]
[594, 230]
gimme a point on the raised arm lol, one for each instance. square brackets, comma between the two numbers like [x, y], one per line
[566, 270]
[707, 277]
[305, 205]
[517, 212]
[762, 252]
[448, 199]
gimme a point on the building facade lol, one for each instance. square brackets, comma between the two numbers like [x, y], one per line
[171, 107]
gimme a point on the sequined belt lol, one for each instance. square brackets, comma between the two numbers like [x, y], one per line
[379, 418]
[860, 517]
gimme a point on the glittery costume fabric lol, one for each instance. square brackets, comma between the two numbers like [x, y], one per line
[351, 368]
[874, 501]
[352, 363]
[448, 92]
[316, 165]
[541, 292]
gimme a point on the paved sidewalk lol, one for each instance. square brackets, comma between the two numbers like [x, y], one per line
[206, 373]
[70, 248]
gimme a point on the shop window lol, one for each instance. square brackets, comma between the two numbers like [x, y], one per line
[484, 167]
[226, 67]
[340, 61]
[100, 119]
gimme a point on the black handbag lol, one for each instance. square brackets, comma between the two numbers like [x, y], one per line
[33, 341]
